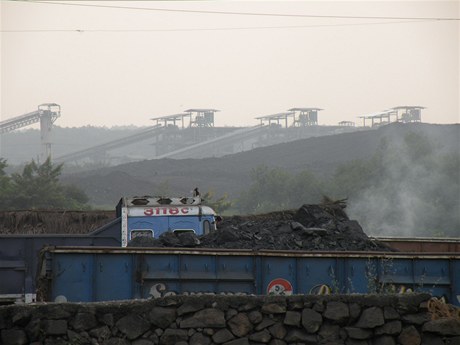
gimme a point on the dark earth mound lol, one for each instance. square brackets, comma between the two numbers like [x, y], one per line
[312, 227]
[53, 221]
[232, 174]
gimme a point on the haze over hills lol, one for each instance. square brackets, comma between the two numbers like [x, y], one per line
[231, 174]
[21, 146]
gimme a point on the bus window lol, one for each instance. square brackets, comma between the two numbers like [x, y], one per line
[206, 227]
[141, 233]
[183, 230]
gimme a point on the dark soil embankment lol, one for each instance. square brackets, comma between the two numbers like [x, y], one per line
[231, 174]
[312, 227]
[53, 221]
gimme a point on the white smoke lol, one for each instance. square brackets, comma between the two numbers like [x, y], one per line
[408, 196]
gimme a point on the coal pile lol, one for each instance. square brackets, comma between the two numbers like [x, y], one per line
[322, 227]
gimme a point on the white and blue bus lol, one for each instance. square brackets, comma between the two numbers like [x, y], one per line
[151, 216]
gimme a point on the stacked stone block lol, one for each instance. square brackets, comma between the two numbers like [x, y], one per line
[232, 320]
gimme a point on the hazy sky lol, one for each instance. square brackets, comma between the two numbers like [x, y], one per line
[111, 66]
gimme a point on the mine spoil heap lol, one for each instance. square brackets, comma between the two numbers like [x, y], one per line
[321, 227]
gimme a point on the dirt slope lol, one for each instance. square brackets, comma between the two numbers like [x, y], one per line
[230, 174]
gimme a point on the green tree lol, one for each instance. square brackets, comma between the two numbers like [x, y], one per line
[305, 188]
[220, 205]
[275, 189]
[268, 192]
[352, 177]
[5, 185]
[75, 197]
[38, 186]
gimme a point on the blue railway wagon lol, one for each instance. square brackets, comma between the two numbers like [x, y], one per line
[19, 258]
[138, 216]
[102, 274]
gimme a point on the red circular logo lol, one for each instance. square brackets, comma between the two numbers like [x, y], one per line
[279, 286]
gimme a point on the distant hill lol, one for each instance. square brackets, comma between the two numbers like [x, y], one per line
[231, 174]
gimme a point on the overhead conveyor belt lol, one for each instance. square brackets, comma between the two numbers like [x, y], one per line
[19, 121]
[52, 110]
[111, 145]
[196, 150]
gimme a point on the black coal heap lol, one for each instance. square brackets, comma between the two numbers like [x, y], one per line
[319, 227]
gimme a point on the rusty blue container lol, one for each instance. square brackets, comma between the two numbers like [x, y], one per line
[103, 274]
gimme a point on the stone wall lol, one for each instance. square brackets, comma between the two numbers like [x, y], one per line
[232, 320]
